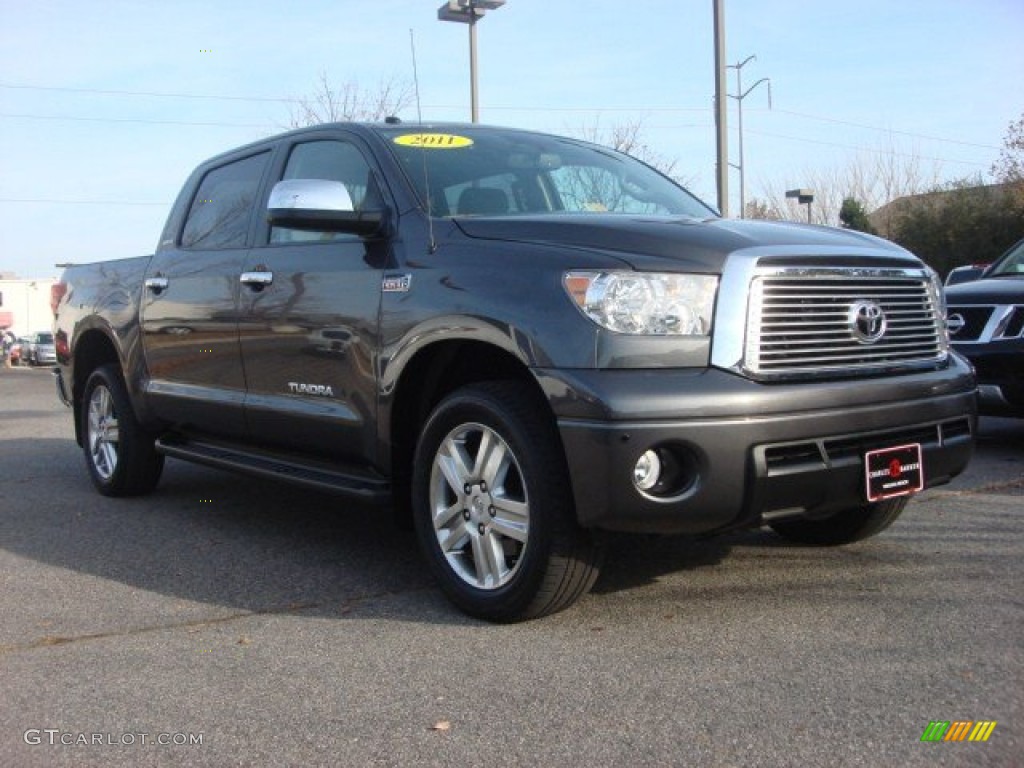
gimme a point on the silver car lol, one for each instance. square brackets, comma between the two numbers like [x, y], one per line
[38, 349]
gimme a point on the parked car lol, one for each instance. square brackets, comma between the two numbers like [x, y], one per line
[986, 324]
[38, 349]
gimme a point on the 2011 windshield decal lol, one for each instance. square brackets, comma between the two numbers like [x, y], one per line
[433, 140]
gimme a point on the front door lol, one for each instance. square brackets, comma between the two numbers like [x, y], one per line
[308, 322]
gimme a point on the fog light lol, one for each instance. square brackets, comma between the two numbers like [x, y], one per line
[647, 471]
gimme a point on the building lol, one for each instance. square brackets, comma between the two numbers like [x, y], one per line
[886, 219]
[25, 305]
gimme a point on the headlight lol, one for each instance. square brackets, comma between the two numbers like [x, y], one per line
[645, 303]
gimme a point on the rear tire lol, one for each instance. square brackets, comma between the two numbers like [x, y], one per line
[120, 455]
[493, 507]
[843, 527]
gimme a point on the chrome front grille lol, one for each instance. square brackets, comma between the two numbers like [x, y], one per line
[804, 322]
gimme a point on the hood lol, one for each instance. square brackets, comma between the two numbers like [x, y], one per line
[700, 244]
[991, 290]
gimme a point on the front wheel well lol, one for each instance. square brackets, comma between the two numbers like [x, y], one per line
[431, 375]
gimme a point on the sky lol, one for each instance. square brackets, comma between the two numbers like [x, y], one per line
[107, 106]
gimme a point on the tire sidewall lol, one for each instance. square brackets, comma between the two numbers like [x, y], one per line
[468, 406]
[138, 467]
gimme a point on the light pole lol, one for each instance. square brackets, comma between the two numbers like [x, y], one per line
[467, 12]
[740, 96]
[804, 197]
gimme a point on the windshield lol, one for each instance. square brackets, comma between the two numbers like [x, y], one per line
[486, 171]
[44, 338]
[1012, 263]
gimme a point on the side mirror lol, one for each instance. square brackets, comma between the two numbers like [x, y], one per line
[319, 205]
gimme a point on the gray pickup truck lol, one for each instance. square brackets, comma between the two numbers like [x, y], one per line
[519, 341]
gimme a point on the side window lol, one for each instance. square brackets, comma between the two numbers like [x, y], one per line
[219, 216]
[333, 161]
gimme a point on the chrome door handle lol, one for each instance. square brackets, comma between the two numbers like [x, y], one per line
[157, 284]
[257, 279]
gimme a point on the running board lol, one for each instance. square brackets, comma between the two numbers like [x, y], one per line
[365, 486]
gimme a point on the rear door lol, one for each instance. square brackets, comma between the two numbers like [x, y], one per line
[189, 305]
[309, 311]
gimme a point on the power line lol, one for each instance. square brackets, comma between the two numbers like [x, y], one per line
[157, 94]
[72, 202]
[884, 130]
[27, 116]
[265, 126]
[866, 149]
[502, 108]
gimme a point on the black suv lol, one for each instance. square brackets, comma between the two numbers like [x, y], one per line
[986, 324]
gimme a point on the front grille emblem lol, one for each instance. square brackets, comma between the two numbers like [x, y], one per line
[955, 323]
[867, 321]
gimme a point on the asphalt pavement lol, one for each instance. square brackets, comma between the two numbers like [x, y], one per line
[227, 621]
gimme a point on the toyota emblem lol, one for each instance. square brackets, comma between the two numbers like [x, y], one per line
[867, 321]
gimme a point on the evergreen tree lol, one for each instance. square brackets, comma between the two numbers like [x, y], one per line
[853, 216]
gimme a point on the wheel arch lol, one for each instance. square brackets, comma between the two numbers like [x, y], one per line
[93, 348]
[432, 373]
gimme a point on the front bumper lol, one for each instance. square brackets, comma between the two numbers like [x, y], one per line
[750, 452]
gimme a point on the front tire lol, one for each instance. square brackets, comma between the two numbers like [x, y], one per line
[493, 508]
[843, 527]
[120, 455]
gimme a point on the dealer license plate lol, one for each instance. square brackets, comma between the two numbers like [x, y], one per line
[894, 472]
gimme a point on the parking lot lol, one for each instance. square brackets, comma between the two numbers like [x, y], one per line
[230, 621]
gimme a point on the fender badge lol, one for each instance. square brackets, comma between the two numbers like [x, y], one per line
[297, 388]
[397, 283]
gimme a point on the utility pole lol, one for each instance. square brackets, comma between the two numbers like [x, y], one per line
[740, 96]
[721, 127]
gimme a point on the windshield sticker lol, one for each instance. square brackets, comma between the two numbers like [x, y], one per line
[433, 141]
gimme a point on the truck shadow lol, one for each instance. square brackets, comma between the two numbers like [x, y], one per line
[637, 560]
[248, 544]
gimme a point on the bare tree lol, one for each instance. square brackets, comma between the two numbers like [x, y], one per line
[628, 136]
[873, 178]
[349, 101]
[761, 209]
[1009, 168]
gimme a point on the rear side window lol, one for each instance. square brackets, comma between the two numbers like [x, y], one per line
[219, 216]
